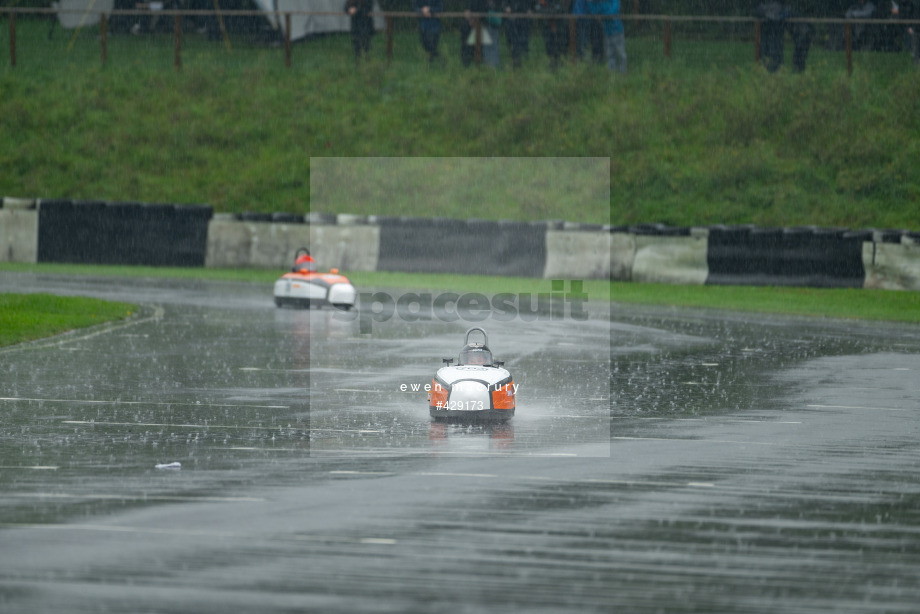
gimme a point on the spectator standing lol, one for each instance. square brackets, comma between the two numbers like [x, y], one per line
[802, 32]
[582, 27]
[910, 9]
[555, 30]
[429, 26]
[589, 32]
[491, 25]
[517, 29]
[865, 9]
[886, 35]
[802, 35]
[772, 31]
[197, 23]
[614, 34]
[362, 26]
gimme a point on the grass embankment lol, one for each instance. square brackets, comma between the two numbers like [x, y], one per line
[705, 137]
[25, 317]
[882, 305]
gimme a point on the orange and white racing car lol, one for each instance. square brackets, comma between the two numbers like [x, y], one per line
[476, 388]
[305, 287]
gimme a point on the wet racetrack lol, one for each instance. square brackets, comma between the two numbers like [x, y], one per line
[659, 461]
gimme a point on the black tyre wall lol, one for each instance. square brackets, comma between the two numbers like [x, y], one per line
[785, 257]
[122, 233]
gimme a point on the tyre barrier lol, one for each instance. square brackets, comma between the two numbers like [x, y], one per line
[253, 216]
[784, 257]
[315, 217]
[98, 232]
[287, 218]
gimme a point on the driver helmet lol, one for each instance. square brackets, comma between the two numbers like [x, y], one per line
[304, 263]
[475, 354]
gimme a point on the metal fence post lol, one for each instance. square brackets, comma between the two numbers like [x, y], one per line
[667, 38]
[12, 39]
[388, 20]
[573, 33]
[104, 37]
[287, 40]
[848, 37]
[177, 28]
[477, 48]
[572, 19]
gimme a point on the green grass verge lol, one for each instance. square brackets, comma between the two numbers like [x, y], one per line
[883, 305]
[25, 317]
[254, 275]
[703, 137]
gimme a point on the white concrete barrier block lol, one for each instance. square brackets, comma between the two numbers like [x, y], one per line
[670, 260]
[622, 256]
[352, 219]
[229, 244]
[10, 202]
[588, 255]
[892, 266]
[345, 247]
[267, 245]
[18, 235]
[274, 245]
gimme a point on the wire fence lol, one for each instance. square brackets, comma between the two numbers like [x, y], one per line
[749, 28]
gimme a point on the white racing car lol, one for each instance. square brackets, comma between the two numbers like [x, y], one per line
[305, 287]
[476, 388]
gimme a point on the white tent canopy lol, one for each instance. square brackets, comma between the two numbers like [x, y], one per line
[305, 25]
[78, 13]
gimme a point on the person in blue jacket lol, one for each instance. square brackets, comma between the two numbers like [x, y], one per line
[429, 25]
[614, 34]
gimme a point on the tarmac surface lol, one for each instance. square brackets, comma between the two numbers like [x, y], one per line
[217, 454]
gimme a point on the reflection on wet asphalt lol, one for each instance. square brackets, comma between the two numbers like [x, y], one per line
[664, 461]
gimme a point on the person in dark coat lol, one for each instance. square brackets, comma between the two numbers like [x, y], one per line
[555, 31]
[362, 25]
[802, 35]
[863, 9]
[772, 31]
[429, 26]
[910, 9]
[517, 29]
